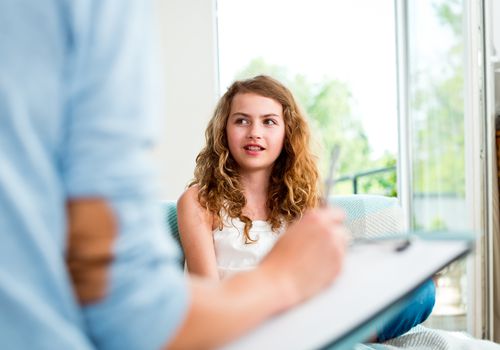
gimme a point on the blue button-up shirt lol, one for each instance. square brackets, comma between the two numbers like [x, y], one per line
[77, 107]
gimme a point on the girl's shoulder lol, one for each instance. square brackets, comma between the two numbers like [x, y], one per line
[188, 206]
[190, 193]
[188, 201]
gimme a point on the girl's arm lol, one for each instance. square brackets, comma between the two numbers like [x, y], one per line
[195, 229]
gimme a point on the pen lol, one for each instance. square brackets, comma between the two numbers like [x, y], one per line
[330, 181]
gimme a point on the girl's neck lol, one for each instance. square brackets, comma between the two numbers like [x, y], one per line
[255, 186]
[256, 182]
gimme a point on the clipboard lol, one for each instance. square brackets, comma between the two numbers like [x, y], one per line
[373, 286]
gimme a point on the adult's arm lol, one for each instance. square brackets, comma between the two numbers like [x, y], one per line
[304, 261]
[142, 296]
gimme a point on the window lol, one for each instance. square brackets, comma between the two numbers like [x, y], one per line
[436, 104]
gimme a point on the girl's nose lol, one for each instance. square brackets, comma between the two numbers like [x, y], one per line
[254, 132]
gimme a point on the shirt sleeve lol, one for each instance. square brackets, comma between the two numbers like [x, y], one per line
[108, 145]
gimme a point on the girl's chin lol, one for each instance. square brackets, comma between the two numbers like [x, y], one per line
[245, 168]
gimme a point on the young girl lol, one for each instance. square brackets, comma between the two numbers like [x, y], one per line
[255, 175]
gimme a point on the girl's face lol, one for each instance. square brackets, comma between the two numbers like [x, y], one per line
[255, 131]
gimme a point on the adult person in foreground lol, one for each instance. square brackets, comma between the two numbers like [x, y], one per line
[83, 260]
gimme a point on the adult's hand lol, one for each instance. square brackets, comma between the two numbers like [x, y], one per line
[310, 253]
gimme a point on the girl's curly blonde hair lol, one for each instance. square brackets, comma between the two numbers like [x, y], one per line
[293, 184]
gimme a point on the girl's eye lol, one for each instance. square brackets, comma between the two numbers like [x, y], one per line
[242, 121]
[270, 122]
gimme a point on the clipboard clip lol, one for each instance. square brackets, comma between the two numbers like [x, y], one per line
[402, 246]
[401, 242]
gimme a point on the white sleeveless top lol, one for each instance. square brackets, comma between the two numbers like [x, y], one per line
[231, 252]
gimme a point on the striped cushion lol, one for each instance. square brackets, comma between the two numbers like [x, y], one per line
[370, 216]
[169, 210]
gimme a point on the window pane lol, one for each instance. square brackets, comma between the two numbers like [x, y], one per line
[436, 107]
